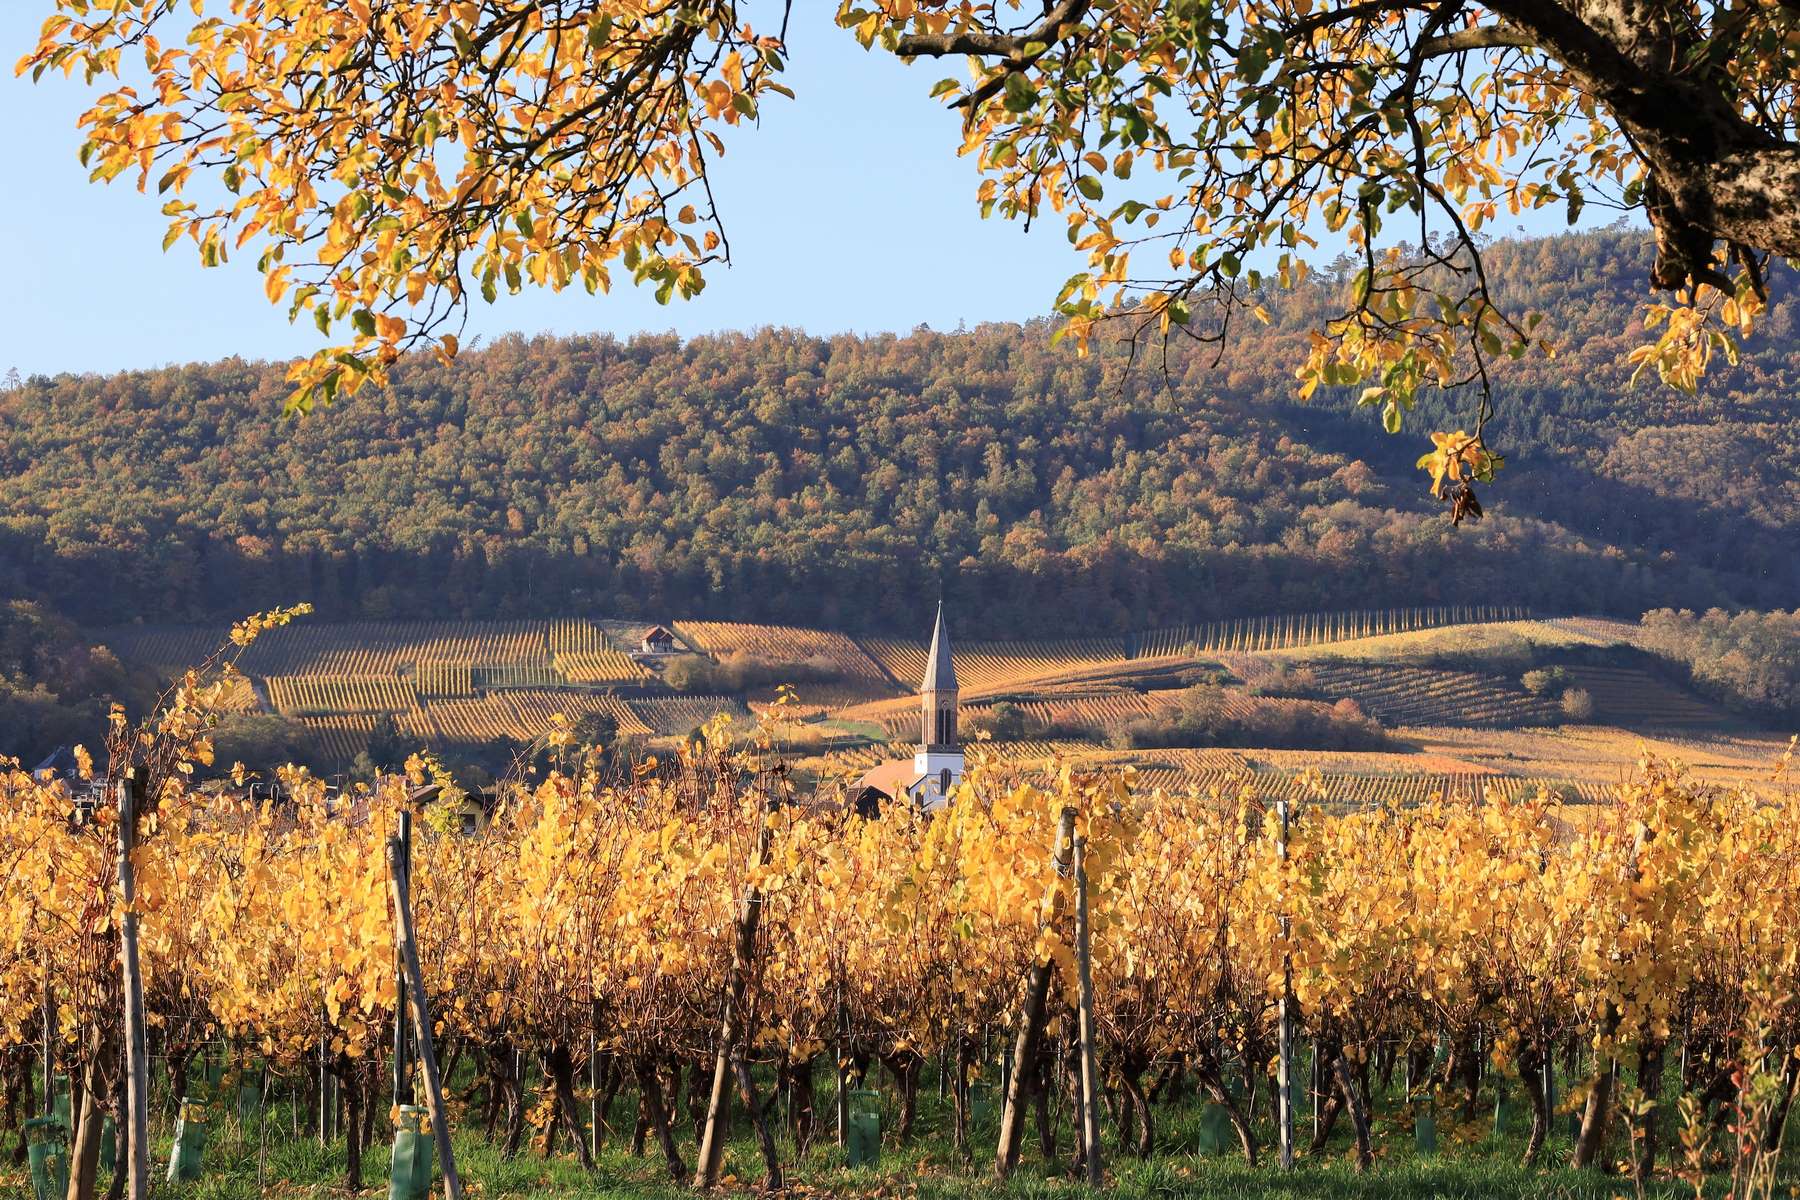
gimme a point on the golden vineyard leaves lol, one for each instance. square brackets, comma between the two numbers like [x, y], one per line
[1527, 918]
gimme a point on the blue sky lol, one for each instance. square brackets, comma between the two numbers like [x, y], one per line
[848, 210]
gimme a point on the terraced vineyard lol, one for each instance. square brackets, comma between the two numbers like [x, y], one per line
[326, 695]
[440, 679]
[340, 738]
[1603, 630]
[1285, 631]
[1630, 697]
[989, 666]
[519, 673]
[780, 643]
[537, 711]
[1331, 781]
[601, 666]
[1401, 695]
[522, 715]
[167, 650]
[469, 685]
[672, 715]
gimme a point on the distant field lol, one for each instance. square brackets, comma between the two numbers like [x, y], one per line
[1284, 631]
[989, 666]
[1604, 754]
[1632, 698]
[1333, 778]
[1401, 695]
[478, 684]
[1475, 639]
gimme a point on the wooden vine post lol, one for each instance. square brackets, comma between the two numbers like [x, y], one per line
[1031, 1023]
[421, 1016]
[1284, 1095]
[49, 1044]
[1084, 971]
[731, 1022]
[137, 1059]
[403, 1090]
[841, 1102]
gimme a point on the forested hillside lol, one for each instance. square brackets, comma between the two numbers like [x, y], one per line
[841, 481]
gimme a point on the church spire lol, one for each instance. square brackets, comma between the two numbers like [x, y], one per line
[937, 692]
[940, 670]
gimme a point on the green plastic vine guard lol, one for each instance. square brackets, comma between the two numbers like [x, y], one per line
[249, 1099]
[190, 1142]
[48, 1142]
[410, 1176]
[1299, 1088]
[981, 1103]
[1425, 1140]
[63, 1109]
[862, 1145]
[1215, 1129]
[109, 1147]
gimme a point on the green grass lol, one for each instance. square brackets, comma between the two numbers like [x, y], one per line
[263, 1158]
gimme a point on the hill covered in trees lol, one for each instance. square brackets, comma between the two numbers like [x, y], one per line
[843, 481]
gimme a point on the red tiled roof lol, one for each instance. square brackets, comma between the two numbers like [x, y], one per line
[890, 778]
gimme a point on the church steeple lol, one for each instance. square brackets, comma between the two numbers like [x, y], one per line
[937, 692]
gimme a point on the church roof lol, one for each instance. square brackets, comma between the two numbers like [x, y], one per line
[892, 778]
[940, 671]
[61, 762]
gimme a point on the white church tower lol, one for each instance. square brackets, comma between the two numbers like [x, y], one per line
[938, 765]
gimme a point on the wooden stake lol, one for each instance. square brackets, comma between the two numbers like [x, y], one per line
[1084, 971]
[1031, 1026]
[137, 1059]
[403, 1091]
[731, 1023]
[842, 1099]
[49, 1044]
[1284, 1097]
[421, 1016]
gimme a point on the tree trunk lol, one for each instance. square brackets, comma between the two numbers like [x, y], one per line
[560, 1066]
[1031, 1027]
[1649, 1081]
[87, 1115]
[115, 1189]
[613, 1079]
[1359, 1112]
[803, 1103]
[959, 1094]
[696, 1096]
[759, 1120]
[371, 1089]
[1042, 1070]
[18, 1079]
[1532, 1064]
[905, 1066]
[650, 1093]
[351, 1079]
[734, 1031]
[1146, 1126]
[1169, 1078]
[1211, 1075]
[1790, 1075]
[1589, 1142]
[1072, 1088]
[515, 1103]
[1468, 1061]
[1331, 1101]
